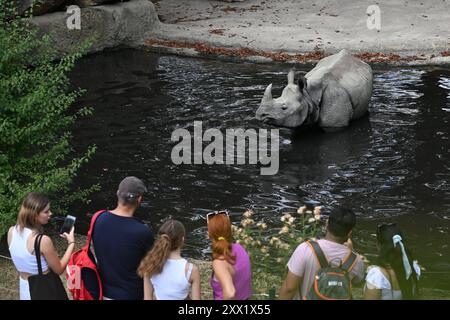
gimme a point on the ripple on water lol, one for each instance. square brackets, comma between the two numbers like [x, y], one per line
[385, 166]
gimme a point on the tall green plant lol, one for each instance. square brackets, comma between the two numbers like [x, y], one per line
[35, 120]
[271, 248]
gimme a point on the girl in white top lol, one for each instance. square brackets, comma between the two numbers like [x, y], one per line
[166, 275]
[33, 214]
[397, 276]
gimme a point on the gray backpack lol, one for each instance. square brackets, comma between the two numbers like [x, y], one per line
[331, 282]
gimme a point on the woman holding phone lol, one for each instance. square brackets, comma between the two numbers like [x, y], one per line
[33, 215]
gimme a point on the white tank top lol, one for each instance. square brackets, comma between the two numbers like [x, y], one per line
[22, 258]
[173, 282]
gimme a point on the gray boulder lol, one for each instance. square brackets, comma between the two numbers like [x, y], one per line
[41, 6]
[118, 24]
[90, 3]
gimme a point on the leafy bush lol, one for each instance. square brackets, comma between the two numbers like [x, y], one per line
[35, 119]
[270, 248]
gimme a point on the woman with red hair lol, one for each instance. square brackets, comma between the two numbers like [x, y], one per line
[231, 278]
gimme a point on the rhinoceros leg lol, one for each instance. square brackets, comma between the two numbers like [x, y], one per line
[336, 109]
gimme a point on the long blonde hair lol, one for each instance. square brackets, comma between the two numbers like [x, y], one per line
[170, 237]
[33, 204]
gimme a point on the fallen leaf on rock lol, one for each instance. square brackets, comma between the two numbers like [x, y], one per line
[217, 31]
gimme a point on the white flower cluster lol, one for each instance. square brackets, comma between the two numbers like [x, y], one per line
[287, 218]
[247, 222]
[261, 225]
[247, 214]
[301, 210]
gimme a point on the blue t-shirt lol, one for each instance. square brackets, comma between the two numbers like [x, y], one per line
[120, 243]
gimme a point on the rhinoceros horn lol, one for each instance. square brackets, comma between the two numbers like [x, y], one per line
[291, 76]
[268, 93]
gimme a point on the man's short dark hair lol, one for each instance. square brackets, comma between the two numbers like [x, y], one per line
[127, 200]
[341, 221]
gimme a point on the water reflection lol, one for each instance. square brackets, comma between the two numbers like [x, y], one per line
[390, 166]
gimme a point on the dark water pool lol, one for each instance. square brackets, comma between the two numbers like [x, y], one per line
[391, 166]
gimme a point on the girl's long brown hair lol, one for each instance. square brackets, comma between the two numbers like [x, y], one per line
[33, 204]
[219, 231]
[170, 237]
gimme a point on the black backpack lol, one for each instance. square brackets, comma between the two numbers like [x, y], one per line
[331, 282]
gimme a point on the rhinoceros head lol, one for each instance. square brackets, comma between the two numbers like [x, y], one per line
[290, 110]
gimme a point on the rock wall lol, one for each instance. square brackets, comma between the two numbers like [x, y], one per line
[113, 25]
[40, 7]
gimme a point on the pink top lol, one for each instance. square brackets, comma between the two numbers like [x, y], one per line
[242, 279]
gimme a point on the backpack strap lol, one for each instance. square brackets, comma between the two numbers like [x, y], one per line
[349, 262]
[91, 228]
[320, 256]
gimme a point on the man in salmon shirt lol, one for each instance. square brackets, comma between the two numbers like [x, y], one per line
[336, 245]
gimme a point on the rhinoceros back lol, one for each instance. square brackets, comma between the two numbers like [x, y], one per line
[354, 75]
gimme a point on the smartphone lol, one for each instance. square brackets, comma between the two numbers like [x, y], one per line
[68, 224]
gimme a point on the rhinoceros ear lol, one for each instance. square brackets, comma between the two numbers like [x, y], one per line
[301, 81]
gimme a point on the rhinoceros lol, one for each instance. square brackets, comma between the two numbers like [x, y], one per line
[338, 89]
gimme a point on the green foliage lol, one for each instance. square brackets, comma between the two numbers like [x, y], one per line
[271, 248]
[35, 117]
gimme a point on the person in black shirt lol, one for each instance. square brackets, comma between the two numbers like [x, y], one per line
[120, 242]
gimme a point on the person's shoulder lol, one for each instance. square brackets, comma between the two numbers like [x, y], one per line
[374, 270]
[46, 243]
[237, 246]
[305, 244]
[102, 217]
[220, 262]
[142, 228]
[10, 231]
[373, 266]
[141, 224]
[377, 277]
[102, 223]
[303, 249]
[327, 244]
[195, 268]
[239, 250]
[10, 234]
[139, 221]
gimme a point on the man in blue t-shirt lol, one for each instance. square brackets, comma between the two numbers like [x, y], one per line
[120, 242]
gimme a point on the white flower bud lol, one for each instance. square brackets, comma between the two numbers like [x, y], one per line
[301, 210]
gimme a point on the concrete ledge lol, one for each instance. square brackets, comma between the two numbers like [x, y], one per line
[240, 54]
[410, 33]
[120, 24]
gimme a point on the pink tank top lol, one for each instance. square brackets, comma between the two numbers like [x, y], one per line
[242, 277]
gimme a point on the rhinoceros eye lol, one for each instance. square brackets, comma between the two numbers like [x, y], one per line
[283, 107]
